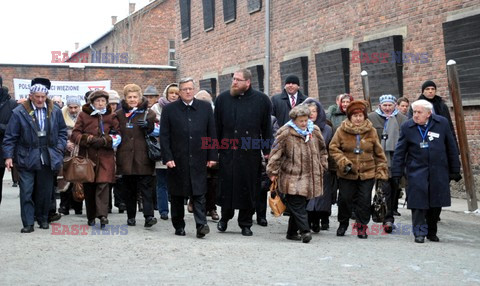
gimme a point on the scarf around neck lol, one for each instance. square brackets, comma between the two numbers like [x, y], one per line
[97, 111]
[305, 133]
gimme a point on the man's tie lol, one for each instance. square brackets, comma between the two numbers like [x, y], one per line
[293, 101]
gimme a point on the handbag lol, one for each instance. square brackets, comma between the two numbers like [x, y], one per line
[274, 200]
[78, 169]
[153, 146]
[78, 192]
[379, 206]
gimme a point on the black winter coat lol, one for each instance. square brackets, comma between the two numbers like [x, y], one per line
[245, 118]
[182, 128]
[281, 106]
[6, 107]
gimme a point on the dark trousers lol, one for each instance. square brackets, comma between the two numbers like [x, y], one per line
[36, 188]
[138, 183]
[261, 203]
[355, 194]
[391, 198]
[118, 192]
[298, 214]
[96, 199]
[211, 194]
[67, 202]
[424, 222]
[314, 217]
[244, 216]
[178, 210]
[2, 172]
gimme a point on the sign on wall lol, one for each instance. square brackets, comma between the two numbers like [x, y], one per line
[61, 88]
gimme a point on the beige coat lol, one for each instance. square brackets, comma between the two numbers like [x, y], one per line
[299, 165]
[371, 163]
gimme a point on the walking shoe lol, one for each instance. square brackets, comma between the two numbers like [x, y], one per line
[388, 227]
[341, 230]
[325, 226]
[396, 213]
[262, 222]
[190, 206]
[419, 239]
[433, 238]
[27, 229]
[164, 216]
[213, 214]
[295, 236]
[122, 207]
[131, 222]
[222, 225]
[180, 232]
[91, 222]
[54, 217]
[63, 211]
[150, 221]
[44, 225]
[246, 231]
[316, 227]
[306, 237]
[202, 231]
[103, 221]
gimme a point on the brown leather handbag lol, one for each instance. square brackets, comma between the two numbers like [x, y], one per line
[274, 200]
[78, 169]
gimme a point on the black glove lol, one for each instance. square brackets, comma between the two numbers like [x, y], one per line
[142, 124]
[347, 169]
[395, 183]
[455, 176]
[97, 142]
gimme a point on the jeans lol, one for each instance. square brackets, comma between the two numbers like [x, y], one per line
[162, 191]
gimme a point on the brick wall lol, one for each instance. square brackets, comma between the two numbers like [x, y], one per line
[143, 36]
[120, 76]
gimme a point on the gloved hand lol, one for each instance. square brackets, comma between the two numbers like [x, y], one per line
[142, 124]
[396, 183]
[97, 142]
[455, 176]
[347, 169]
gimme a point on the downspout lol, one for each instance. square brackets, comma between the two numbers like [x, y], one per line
[267, 47]
[94, 52]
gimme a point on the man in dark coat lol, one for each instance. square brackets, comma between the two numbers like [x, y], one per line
[427, 149]
[429, 89]
[183, 125]
[242, 116]
[7, 104]
[35, 140]
[283, 102]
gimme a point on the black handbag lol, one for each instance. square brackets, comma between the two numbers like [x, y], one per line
[153, 146]
[379, 205]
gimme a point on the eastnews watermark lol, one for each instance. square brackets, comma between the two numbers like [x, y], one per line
[244, 143]
[392, 57]
[398, 229]
[96, 57]
[83, 229]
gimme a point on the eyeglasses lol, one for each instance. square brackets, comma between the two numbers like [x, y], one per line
[238, 79]
[186, 89]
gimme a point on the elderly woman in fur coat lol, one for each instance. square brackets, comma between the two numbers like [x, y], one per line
[360, 159]
[298, 160]
[91, 130]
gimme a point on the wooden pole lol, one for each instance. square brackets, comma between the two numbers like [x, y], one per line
[456, 97]
[366, 89]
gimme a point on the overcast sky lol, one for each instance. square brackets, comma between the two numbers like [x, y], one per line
[31, 29]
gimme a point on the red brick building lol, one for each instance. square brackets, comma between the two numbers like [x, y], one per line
[328, 43]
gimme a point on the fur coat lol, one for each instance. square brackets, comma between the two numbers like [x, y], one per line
[371, 163]
[299, 165]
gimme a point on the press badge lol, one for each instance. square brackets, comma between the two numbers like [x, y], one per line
[129, 125]
[423, 145]
[433, 134]
[42, 133]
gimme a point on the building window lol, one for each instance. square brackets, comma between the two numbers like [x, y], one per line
[208, 15]
[254, 6]
[460, 38]
[171, 53]
[185, 19]
[229, 10]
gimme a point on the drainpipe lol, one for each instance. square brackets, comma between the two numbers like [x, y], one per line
[267, 47]
[94, 53]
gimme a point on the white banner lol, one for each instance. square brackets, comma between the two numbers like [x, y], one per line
[61, 88]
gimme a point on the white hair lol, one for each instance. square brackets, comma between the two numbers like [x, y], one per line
[423, 103]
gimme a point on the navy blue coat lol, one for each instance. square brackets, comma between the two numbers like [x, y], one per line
[21, 140]
[427, 169]
[181, 132]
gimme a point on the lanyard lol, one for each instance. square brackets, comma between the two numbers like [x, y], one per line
[385, 126]
[132, 116]
[101, 125]
[423, 134]
[358, 141]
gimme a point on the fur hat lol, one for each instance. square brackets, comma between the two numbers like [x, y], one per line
[43, 81]
[357, 106]
[427, 84]
[113, 97]
[97, 94]
[292, 79]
